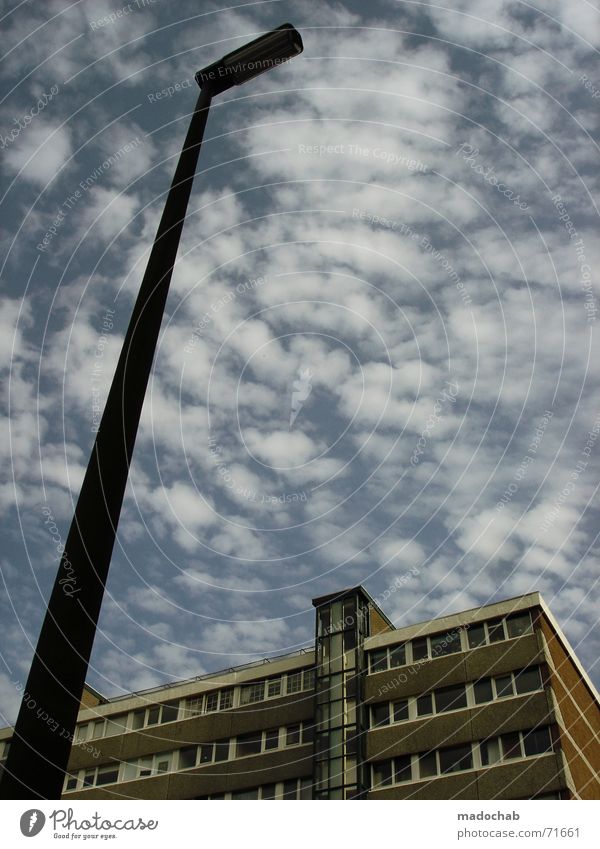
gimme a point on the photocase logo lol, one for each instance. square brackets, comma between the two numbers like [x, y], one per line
[32, 822]
[302, 387]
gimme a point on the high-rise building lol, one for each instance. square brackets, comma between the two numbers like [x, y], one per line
[491, 703]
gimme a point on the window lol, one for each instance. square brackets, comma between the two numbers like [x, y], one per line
[226, 700]
[115, 725]
[442, 644]
[427, 765]
[482, 690]
[382, 773]
[528, 680]
[71, 783]
[81, 733]
[308, 679]
[89, 777]
[380, 715]
[187, 757]
[251, 693]
[490, 751]
[292, 737]
[398, 656]
[245, 794]
[206, 753]
[249, 744]
[419, 649]
[222, 750]
[402, 769]
[537, 741]
[290, 789]
[476, 636]
[518, 624]
[97, 728]
[456, 758]
[163, 766]
[272, 739]
[268, 791]
[138, 719]
[169, 712]
[495, 631]
[424, 705]
[401, 710]
[153, 714]
[450, 698]
[306, 788]
[273, 687]
[378, 660]
[193, 706]
[212, 702]
[504, 686]
[294, 682]
[511, 745]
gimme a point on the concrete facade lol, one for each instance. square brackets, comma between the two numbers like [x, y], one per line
[490, 703]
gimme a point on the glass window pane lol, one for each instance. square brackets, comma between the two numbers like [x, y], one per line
[490, 751]
[495, 631]
[476, 636]
[382, 774]
[248, 744]
[97, 729]
[292, 737]
[226, 700]
[138, 719]
[308, 732]
[81, 733]
[89, 777]
[518, 624]
[267, 791]
[528, 680]
[504, 686]
[251, 693]
[324, 621]
[290, 789]
[222, 750]
[206, 753]
[294, 682]
[308, 679]
[245, 794]
[170, 711]
[71, 782]
[274, 687]
[380, 715]
[482, 690]
[456, 758]
[401, 710]
[424, 705]
[107, 776]
[398, 656]
[349, 640]
[537, 741]
[115, 725]
[193, 706]
[153, 713]
[442, 644]
[402, 768]
[187, 757]
[272, 739]
[427, 765]
[450, 698]
[378, 660]
[162, 766]
[511, 745]
[419, 649]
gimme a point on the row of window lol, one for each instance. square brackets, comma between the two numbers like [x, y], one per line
[223, 699]
[192, 756]
[516, 744]
[294, 788]
[458, 696]
[449, 642]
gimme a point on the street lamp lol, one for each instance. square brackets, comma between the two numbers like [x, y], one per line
[43, 733]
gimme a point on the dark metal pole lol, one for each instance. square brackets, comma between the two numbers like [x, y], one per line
[41, 744]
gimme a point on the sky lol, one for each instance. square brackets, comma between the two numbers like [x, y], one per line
[378, 359]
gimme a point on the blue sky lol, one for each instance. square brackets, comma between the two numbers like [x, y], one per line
[379, 347]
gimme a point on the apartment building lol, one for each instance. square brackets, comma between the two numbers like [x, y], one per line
[491, 703]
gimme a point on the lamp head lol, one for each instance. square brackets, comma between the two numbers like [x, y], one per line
[265, 52]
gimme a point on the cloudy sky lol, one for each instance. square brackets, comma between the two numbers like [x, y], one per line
[380, 350]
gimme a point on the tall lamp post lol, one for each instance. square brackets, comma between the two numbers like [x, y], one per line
[41, 744]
